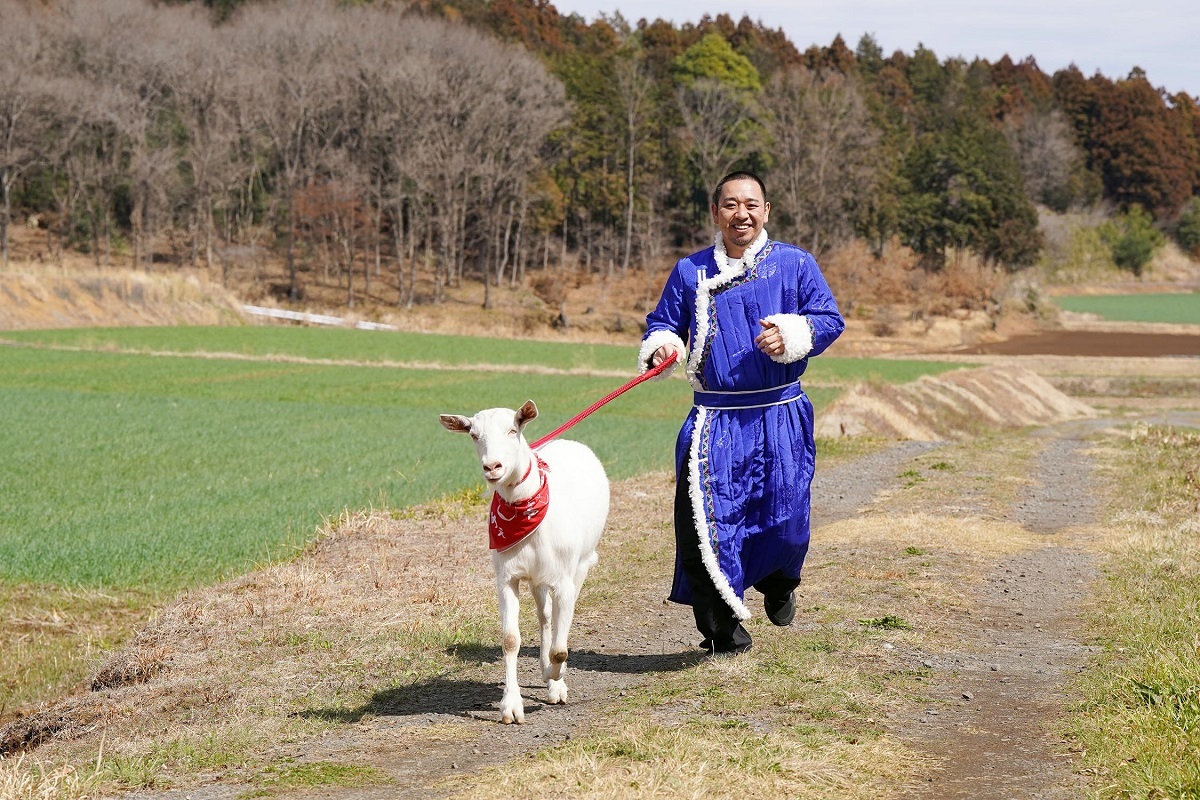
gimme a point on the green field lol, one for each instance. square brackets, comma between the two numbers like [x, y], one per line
[122, 469]
[1181, 309]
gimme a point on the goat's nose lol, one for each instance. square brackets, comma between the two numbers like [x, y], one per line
[490, 468]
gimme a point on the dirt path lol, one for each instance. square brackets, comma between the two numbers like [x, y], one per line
[997, 698]
[986, 731]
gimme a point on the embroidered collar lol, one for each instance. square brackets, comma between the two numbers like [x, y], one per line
[509, 523]
[728, 271]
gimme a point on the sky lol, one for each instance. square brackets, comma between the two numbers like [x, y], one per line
[1160, 36]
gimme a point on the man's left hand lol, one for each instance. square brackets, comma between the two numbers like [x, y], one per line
[770, 341]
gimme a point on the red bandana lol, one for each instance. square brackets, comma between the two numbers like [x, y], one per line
[509, 523]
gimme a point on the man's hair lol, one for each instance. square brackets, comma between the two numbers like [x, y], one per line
[740, 175]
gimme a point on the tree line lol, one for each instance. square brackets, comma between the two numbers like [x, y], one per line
[443, 140]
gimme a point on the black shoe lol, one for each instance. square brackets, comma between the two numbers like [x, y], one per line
[781, 612]
[706, 645]
[717, 655]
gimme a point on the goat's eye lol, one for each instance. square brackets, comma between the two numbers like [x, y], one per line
[513, 432]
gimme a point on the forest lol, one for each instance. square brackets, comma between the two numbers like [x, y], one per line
[438, 141]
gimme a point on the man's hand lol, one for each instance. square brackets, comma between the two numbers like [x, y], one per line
[662, 354]
[770, 341]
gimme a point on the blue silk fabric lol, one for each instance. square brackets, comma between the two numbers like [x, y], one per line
[754, 465]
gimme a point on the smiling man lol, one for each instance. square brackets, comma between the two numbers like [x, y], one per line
[750, 312]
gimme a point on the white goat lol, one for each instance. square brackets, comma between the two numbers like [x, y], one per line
[556, 556]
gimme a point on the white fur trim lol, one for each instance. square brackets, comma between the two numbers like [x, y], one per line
[727, 270]
[654, 341]
[740, 265]
[696, 494]
[797, 336]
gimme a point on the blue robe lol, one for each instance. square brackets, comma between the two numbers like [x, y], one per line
[749, 438]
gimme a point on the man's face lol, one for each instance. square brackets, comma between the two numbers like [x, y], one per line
[740, 215]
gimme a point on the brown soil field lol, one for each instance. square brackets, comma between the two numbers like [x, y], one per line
[1099, 344]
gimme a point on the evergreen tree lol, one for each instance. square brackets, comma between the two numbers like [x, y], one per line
[966, 192]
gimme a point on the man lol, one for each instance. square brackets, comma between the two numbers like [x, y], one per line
[753, 312]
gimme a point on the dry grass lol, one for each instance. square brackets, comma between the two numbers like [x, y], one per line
[970, 481]
[1138, 709]
[25, 778]
[960, 404]
[291, 645]
[860, 280]
[51, 639]
[38, 296]
[637, 758]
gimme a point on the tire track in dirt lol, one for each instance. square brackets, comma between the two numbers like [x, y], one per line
[990, 727]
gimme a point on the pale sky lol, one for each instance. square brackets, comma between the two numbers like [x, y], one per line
[1160, 36]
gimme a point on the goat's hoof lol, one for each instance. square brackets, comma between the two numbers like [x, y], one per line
[511, 713]
[557, 691]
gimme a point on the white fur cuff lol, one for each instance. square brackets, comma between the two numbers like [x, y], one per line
[654, 341]
[797, 336]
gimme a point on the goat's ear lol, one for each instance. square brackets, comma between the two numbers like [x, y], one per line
[455, 423]
[526, 412]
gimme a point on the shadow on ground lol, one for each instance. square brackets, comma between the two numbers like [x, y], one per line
[464, 696]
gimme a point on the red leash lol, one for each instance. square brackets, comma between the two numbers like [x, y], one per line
[645, 376]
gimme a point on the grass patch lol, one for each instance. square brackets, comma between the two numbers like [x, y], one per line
[26, 778]
[888, 622]
[790, 719]
[50, 637]
[982, 475]
[291, 776]
[840, 449]
[124, 470]
[339, 345]
[1181, 309]
[164, 764]
[1138, 719]
[344, 345]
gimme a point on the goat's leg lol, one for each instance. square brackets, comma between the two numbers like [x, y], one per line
[512, 705]
[563, 612]
[541, 596]
[581, 572]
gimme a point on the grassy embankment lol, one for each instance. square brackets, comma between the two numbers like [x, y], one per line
[126, 476]
[1138, 716]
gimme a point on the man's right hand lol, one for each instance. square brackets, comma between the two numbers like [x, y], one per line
[662, 354]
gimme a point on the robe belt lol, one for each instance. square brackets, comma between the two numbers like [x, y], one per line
[758, 399]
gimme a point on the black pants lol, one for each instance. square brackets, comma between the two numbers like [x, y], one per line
[714, 618]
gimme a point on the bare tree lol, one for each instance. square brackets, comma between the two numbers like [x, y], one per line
[635, 92]
[720, 127]
[1045, 146]
[123, 50]
[380, 118]
[284, 50]
[825, 150]
[199, 79]
[484, 111]
[22, 90]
